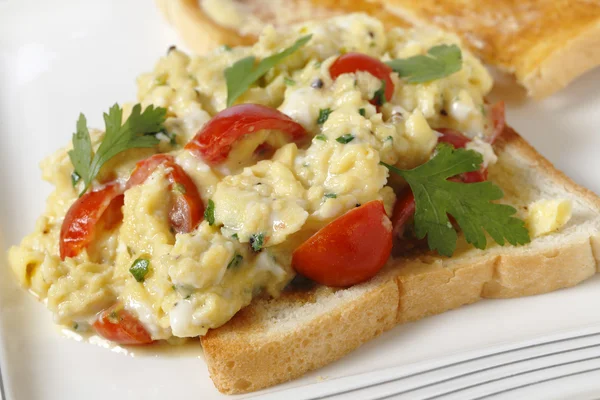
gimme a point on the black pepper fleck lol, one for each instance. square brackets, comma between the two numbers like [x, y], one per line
[444, 112]
[171, 48]
[357, 204]
[317, 84]
[371, 34]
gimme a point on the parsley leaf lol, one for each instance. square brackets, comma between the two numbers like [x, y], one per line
[347, 138]
[379, 95]
[323, 115]
[243, 73]
[330, 195]
[139, 269]
[75, 178]
[235, 261]
[469, 203]
[321, 137]
[136, 132]
[257, 241]
[209, 213]
[439, 62]
[362, 111]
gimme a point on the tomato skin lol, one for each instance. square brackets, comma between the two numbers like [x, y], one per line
[187, 207]
[498, 116]
[353, 62]
[214, 141]
[84, 215]
[349, 250]
[453, 137]
[120, 326]
[404, 209]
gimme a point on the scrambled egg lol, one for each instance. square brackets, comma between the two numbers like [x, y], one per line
[545, 216]
[199, 280]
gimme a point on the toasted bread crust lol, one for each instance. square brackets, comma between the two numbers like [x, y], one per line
[545, 43]
[250, 353]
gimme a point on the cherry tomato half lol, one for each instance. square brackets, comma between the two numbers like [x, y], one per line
[214, 141]
[349, 250]
[187, 207]
[83, 218]
[353, 62]
[120, 326]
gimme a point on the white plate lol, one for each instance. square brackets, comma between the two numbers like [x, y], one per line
[60, 58]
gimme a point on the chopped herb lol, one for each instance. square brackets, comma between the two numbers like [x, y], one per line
[331, 195]
[130, 251]
[179, 188]
[140, 268]
[188, 296]
[289, 81]
[321, 137]
[347, 138]
[138, 131]
[161, 80]
[317, 83]
[372, 44]
[245, 72]
[226, 47]
[362, 111]
[75, 326]
[75, 178]
[323, 115]
[256, 241]
[235, 236]
[389, 138]
[317, 64]
[439, 62]
[470, 204]
[173, 287]
[173, 139]
[209, 213]
[379, 96]
[306, 165]
[483, 110]
[235, 261]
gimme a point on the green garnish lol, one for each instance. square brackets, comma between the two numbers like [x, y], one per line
[323, 115]
[75, 178]
[179, 188]
[389, 138]
[321, 137]
[256, 241]
[243, 73]
[209, 213]
[469, 203]
[161, 80]
[347, 138]
[75, 326]
[439, 62]
[331, 195]
[289, 81]
[235, 236]
[137, 132]
[235, 261]
[379, 95]
[226, 47]
[483, 110]
[362, 111]
[139, 269]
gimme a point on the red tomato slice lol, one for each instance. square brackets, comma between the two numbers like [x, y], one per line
[187, 208]
[349, 250]
[353, 62]
[453, 137]
[404, 209]
[118, 325]
[83, 218]
[214, 141]
[497, 112]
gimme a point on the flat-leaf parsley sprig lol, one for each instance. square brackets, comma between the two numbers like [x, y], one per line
[243, 73]
[138, 131]
[469, 203]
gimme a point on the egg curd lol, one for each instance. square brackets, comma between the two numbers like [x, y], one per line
[199, 280]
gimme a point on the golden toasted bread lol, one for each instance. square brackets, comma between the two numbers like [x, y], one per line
[276, 340]
[545, 43]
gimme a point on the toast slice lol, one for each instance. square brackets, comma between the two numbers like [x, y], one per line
[276, 340]
[544, 43]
